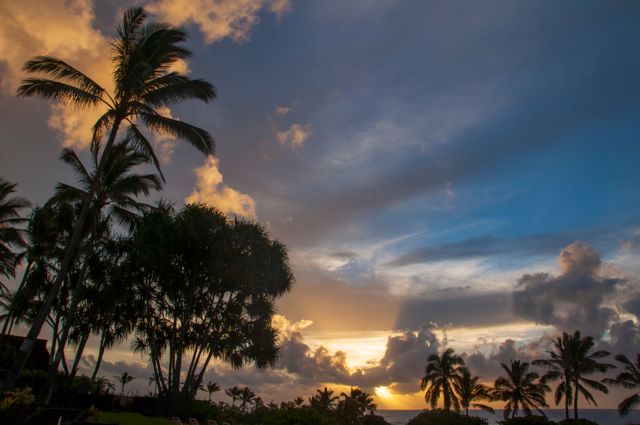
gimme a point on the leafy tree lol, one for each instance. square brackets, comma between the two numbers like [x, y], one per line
[142, 56]
[11, 236]
[441, 374]
[520, 390]
[124, 379]
[206, 288]
[469, 391]
[629, 378]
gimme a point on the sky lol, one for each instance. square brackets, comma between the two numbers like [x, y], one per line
[444, 173]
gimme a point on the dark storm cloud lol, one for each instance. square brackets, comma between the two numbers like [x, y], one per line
[471, 310]
[572, 300]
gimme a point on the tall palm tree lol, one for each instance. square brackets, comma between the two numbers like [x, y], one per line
[559, 366]
[234, 393]
[520, 390]
[212, 387]
[142, 56]
[629, 378]
[10, 235]
[469, 391]
[582, 364]
[124, 379]
[440, 375]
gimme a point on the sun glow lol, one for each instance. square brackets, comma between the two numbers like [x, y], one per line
[383, 392]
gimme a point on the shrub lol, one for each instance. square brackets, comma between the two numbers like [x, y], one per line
[294, 417]
[440, 417]
[528, 420]
[374, 420]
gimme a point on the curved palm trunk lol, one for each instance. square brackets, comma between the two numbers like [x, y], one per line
[76, 360]
[103, 344]
[566, 400]
[27, 345]
[575, 402]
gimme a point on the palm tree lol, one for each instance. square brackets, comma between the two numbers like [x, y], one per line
[324, 400]
[10, 235]
[520, 390]
[469, 390]
[234, 393]
[440, 376]
[630, 379]
[559, 368]
[582, 363]
[142, 55]
[212, 387]
[246, 397]
[124, 379]
[298, 401]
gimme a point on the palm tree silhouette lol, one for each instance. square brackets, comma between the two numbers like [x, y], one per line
[124, 379]
[142, 55]
[324, 400]
[234, 393]
[246, 397]
[440, 376]
[520, 390]
[212, 387]
[10, 235]
[559, 365]
[583, 363]
[469, 390]
[629, 378]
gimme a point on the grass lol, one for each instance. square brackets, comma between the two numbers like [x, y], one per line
[126, 418]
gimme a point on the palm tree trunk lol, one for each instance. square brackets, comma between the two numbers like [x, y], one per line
[79, 351]
[103, 344]
[566, 400]
[575, 402]
[47, 390]
[69, 253]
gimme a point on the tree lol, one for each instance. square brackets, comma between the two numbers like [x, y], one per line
[629, 378]
[520, 390]
[469, 391]
[206, 288]
[212, 387]
[11, 236]
[234, 393]
[324, 400]
[354, 404]
[124, 379]
[582, 363]
[441, 373]
[559, 365]
[246, 398]
[142, 56]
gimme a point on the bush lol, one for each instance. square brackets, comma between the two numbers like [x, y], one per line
[577, 422]
[294, 417]
[440, 417]
[528, 420]
[374, 420]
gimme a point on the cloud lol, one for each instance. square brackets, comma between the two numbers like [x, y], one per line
[219, 19]
[295, 136]
[64, 29]
[575, 299]
[283, 110]
[211, 190]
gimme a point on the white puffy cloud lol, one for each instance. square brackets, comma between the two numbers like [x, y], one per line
[295, 136]
[211, 190]
[218, 19]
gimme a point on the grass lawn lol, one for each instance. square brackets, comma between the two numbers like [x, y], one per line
[126, 418]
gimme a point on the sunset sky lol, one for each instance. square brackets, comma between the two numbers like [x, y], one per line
[444, 173]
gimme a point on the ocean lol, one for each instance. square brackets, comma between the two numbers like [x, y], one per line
[601, 416]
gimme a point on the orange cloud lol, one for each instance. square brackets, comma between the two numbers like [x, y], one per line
[295, 136]
[218, 19]
[210, 190]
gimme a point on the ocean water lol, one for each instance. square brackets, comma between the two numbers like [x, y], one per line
[601, 416]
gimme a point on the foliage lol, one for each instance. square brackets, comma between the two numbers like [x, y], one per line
[93, 414]
[11, 236]
[470, 391]
[373, 419]
[581, 421]
[442, 417]
[300, 416]
[20, 397]
[629, 378]
[127, 418]
[205, 288]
